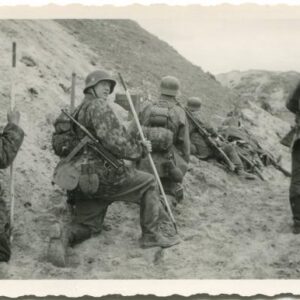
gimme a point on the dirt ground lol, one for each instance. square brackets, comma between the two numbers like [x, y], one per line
[231, 228]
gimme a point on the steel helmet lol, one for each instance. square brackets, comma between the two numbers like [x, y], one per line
[169, 85]
[95, 77]
[194, 103]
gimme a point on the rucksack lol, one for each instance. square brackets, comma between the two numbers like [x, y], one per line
[157, 129]
[64, 137]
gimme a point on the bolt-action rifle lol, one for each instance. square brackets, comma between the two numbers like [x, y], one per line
[207, 137]
[273, 161]
[252, 165]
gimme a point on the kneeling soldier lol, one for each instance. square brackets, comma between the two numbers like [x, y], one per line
[99, 185]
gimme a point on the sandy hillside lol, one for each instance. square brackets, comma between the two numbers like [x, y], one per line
[267, 89]
[231, 228]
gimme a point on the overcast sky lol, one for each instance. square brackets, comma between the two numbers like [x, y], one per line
[224, 40]
[218, 38]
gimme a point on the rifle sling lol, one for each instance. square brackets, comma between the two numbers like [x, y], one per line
[78, 147]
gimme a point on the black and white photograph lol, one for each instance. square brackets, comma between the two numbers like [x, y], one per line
[150, 142]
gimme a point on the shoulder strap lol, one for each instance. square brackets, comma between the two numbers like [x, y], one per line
[78, 147]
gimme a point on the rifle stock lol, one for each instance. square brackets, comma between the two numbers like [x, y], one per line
[257, 171]
[207, 138]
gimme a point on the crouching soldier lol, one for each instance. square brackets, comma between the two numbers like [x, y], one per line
[10, 142]
[99, 184]
[165, 125]
[201, 149]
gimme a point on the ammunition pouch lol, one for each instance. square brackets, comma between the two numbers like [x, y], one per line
[161, 138]
[88, 180]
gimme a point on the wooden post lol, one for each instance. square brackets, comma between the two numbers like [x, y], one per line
[73, 87]
[12, 107]
[135, 116]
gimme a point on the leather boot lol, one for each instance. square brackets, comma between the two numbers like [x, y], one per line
[295, 207]
[57, 248]
[296, 227]
[78, 233]
[149, 240]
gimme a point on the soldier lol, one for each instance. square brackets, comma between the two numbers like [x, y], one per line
[10, 142]
[165, 125]
[201, 149]
[234, 132]
[108, 184]
[294, 191]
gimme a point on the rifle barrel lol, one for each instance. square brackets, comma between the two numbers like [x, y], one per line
[206, 135]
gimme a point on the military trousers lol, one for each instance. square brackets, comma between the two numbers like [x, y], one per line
[139, 187]
[295, 183]
[202, 150]
[232, 154]
[5, 251]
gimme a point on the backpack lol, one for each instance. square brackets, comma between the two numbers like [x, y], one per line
[71, 172]
[64, 137]
[158, 130]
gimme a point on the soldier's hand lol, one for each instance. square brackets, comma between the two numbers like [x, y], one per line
[13, 117]
[147, 145]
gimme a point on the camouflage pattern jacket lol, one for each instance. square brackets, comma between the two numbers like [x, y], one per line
[99, 118]
[10, 142]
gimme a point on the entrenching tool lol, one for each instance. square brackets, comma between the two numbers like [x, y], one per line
[165, 201]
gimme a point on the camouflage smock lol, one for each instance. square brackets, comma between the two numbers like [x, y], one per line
[10, 142]
[99, 118]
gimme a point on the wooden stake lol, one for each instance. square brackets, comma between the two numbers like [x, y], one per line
[73, 87]
[12, 106]
[165, 200]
